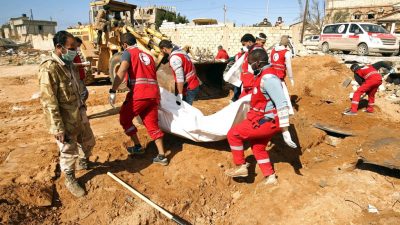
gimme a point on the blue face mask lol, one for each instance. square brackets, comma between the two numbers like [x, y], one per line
[69, 56]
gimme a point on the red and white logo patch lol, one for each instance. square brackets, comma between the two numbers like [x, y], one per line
[144, 59]
[276, 57]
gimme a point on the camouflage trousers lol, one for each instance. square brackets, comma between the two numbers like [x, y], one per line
[76, 146]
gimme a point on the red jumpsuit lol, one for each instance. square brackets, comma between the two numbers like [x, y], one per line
[370, 86]
[144, 95]
[191, 79]
[247, 77]
[222, 54]
[81, 70]
[253, 130]
[278, 62]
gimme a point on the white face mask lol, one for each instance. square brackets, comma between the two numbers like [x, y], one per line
[250, 69]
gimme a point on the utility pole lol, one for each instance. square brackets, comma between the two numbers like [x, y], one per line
[304, 22]
[225, 13]
[29, 25]
[266, 16]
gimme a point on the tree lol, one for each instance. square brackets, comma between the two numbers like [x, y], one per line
[340, 16]
[315, 16]
[170, 17]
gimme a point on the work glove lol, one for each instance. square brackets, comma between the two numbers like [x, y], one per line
[179, 98]
[111, 99]
[292, 82]
[288, 139]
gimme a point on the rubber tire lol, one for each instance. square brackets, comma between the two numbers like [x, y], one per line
[346, 52]
[326, 48]
[115, 62]
[360, 50]
[388, 54]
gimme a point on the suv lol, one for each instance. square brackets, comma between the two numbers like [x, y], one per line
[364, 38]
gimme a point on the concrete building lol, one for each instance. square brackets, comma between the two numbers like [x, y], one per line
[18, 28]
[148, 15]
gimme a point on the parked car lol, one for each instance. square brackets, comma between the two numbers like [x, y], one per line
[364, 38]
[311, 42]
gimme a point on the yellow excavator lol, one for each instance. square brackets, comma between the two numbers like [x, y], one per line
[105, 56]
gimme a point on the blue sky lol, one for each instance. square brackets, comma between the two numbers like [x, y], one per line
[69, 12]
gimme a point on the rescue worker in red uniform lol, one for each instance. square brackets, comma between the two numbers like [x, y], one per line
[186, 81]
[248, 40]
[261, 39]
[370, 80]
[222, 54]
[268, 115]
[81, 68]
[143, 97]
[281, 61]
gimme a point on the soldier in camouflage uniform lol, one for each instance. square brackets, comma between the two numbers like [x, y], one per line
[64, 109]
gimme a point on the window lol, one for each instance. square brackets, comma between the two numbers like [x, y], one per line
[371, 16]
[331, 29]
[40, 27]
[372, 28]
[357, 16]
[354, 28]
[336, 29]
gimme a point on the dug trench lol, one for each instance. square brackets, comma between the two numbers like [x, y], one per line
[318, 183]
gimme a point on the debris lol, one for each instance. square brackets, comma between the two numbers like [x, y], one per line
[220, 165]
[10, 51]
[236, 195]
[332, 141]
[333, 130]
[372, 209]
[35, 95]
[323, 183]
[382, 152]
[17, 108]
[346, 83]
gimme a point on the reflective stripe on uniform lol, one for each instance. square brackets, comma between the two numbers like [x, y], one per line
[143, 81]
[190, 74]
[370, 74]
[237, 148]
[280, 66]
[354, 102]
[262, 161]
[261, 110]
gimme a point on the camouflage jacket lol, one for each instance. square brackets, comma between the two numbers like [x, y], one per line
[60, 95]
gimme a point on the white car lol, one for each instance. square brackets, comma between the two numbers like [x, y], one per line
[364, 38]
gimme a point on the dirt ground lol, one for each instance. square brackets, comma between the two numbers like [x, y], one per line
[318, 183]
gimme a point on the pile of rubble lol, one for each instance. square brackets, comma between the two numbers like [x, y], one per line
[21, 56]
[390, 87]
